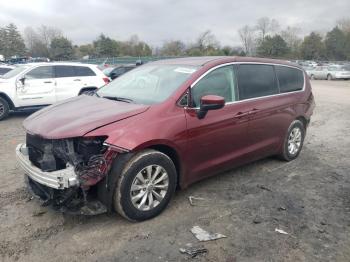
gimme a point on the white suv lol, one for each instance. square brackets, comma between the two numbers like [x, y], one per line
[32, 86]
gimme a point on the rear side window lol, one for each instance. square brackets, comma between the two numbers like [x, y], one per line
[64, 71]
[83, 71]
[40, 72]
[256, 81]
[289, 79]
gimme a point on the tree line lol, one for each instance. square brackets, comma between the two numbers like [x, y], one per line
[267, 39]
[264, 38]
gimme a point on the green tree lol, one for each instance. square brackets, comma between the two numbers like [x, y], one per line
[11, 41]
[335, 44]
[87, 50]
[106, 46]
[273, 47]
[312, 47]
[61, 49]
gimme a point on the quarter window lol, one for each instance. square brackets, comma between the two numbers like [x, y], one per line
[219, 82]
[4, 70]
[256, 81]
[289, 79]
[40, 72]
[83, 71]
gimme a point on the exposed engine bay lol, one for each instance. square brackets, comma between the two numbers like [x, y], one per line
[91, 161]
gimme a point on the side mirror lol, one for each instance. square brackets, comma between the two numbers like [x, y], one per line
[22, 80]
[210, 102]
[113, 76]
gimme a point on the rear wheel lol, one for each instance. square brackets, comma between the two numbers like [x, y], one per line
[329, 77]
[146, 186]
[293, 141]
[4, 108]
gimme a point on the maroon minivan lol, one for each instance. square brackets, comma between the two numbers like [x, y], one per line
[163, 125]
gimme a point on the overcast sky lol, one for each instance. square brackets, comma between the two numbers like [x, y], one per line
[156, 21]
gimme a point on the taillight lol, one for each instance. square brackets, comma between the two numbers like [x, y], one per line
[106, 79]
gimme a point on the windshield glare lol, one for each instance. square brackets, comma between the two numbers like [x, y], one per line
[148, 84]
[14, 72]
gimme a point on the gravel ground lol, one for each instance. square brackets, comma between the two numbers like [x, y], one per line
[309, 198]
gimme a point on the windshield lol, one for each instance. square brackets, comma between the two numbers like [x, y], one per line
[148, 84]
[14, 72]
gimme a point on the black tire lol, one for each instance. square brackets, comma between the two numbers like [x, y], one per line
[4, 109]
[122, 195]
[329, 77]
[312, 77]
[286, 154]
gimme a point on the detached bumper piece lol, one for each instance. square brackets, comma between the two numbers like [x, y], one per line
[59, 179]
[59, 189]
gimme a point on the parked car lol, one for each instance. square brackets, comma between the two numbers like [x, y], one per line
[164, 125]
[18, 60]
[338, 72]
[319, 72]
[32, 86]
[5, 68]
[114, 72]
[308, 70]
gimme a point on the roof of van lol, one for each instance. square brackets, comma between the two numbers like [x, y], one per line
[203, 60]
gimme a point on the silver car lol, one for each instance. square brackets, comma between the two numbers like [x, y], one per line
[338, 72]
[319, 72]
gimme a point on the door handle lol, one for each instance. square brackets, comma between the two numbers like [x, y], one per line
[47, 82]
[76, 80]
[241, 114]
[253, 111]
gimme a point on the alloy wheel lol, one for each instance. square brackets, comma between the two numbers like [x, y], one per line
[149, 187]
[294, 140]
[2, 109]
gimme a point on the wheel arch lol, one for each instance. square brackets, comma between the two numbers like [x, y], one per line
[172, 154]
[87, 88]
[303, 120]
[8, 100]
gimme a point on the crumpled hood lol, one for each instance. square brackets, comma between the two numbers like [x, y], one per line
[77, 116]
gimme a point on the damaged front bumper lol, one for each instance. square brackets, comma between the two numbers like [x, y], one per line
[67, 190]
[60, 179]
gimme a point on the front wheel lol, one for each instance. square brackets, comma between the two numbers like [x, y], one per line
[329, 77]
[146, 186]
[4, 109]
[293, 141]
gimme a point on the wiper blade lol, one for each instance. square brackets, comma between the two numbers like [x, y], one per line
[118, 98]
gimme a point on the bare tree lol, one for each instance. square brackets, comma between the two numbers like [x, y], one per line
[207, 40]
[262, 25]
[246, 34]
[265, 25]
[291, 36]
[47, 33]
[173, 48]
[31, 38]
[344, 24]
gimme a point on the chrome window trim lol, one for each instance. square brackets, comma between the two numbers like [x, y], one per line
[255, 98]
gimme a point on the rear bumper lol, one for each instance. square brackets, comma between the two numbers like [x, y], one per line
[60, 179]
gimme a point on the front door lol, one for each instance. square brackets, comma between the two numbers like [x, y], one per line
[37, 87]
[217, 141]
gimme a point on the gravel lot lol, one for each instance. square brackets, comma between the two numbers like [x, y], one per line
[309, 198]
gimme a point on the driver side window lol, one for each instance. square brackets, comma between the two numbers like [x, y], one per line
[219, 82]
[40, 72]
